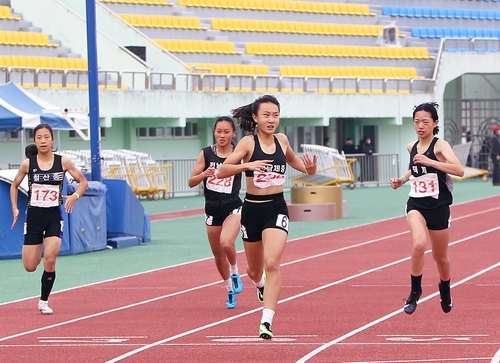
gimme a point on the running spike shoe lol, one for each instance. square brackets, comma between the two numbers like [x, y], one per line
[411, 302]
[231, 300]
[446, 301]
[44, 308]
[265, 331]
[237, 284]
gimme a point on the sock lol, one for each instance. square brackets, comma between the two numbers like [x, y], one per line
[267, 316]
[48, 279]
[445, 284]
[234, 269]
[416, 283]
[229, 284]
[260, 283]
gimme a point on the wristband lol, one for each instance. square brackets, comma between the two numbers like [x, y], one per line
[404, 179]
[77, 195]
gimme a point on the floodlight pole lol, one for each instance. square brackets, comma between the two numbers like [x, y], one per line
[95, 137]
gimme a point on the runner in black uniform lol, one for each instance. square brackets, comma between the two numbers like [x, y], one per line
[428, 206]
[264, 216]
[44, 222]
[222, 205]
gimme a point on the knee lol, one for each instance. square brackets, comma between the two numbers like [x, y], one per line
[418, 248]
[254, 274]
[272, 264]
[441, 260]
[30, 268]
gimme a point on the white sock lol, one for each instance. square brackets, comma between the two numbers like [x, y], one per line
[234, 269]
[267, 316]
[260, 283]
[229, 284]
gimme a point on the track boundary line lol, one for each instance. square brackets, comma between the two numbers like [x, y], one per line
[390, 315]
[241, 251]
[195, 330]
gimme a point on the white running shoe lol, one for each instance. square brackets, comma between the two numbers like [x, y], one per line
[44, 308]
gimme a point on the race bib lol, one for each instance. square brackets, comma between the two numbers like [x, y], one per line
[224, 185]
[268, 179]
[44, 195]
[426, 185]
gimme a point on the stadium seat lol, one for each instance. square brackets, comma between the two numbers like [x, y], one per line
[466, 13]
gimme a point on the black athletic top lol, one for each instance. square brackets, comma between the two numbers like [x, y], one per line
[219, 192]
[417, 171]
[45, 186]
[278, 158]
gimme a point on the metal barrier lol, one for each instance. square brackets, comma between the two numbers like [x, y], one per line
[211, 82]
[171, 175]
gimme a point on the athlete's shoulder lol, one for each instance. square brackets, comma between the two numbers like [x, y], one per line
[411, 144]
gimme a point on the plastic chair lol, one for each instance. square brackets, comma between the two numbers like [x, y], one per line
[419, 12]
[434, 13]
[426, 12]
[466, 13]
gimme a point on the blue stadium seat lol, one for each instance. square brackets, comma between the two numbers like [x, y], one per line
[466, 13]
[497, 14]
[442, 13]
[482, 14]
[410, 12]
[434, 12]
[448, 33]
[451, 50]
[490, 15]
[402, 11]
[386, 10]
[478, 33]
[459, 13]
[393, 11]
[432, 32]
[487, 33]
[455, 32]
[463, 33]
[416, 32]
[450, 13]
[424, 32]
[439, 32]
[474, 14]
[495, 33]
[426, 12]
[419, 12]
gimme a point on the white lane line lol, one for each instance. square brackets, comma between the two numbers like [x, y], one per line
[159, 342]
[210, 258]
[386, 317]
[496, 357]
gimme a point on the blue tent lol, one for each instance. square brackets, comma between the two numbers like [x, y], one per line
[20, 109]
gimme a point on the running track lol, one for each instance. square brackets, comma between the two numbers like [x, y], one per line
[341, 302]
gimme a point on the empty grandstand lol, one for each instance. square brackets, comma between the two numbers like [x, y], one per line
[340, 69]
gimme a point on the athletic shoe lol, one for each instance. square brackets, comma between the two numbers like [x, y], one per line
[411, 302]
[43, 306]
[265, 331]
[237, 284]
[446, 302]
[231, 300]
[260, 294]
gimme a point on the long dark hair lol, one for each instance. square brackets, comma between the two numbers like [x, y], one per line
[244, 114]
[430, 107]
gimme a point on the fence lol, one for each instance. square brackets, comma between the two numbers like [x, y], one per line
[369, 170]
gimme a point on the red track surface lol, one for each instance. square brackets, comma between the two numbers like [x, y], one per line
[341, 301]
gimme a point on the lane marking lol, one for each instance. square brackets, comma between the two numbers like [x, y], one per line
[321, 348]
[241, 251]
[496, 357]
[386, 317]
[217, 282]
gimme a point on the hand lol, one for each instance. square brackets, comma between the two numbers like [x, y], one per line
[310, 164]
[70, 202]
[422, 159]
[396, 183]
[260, 165]
[15, 213]
[209, 172]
